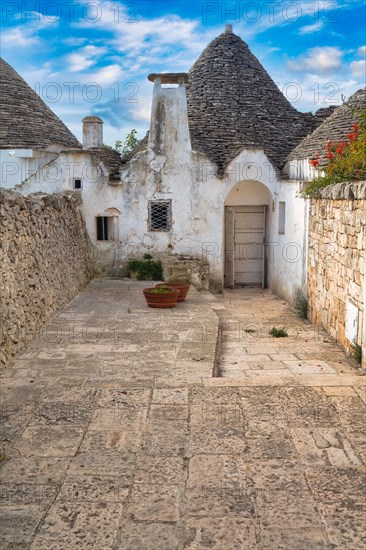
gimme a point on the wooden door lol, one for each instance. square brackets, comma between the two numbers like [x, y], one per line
[245, 236]
[229, 247]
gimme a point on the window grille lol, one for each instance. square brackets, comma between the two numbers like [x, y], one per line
[160, 215]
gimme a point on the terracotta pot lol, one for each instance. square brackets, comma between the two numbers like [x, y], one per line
[161, 299]
[183, 287]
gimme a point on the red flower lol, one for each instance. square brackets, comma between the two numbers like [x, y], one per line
[351, 136]
[329, 155]
[356, 127]
[341, 146]
[314, 162]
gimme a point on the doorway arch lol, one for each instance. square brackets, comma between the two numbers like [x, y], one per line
[246, 213]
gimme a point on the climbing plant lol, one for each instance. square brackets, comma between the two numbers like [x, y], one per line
[346, 160]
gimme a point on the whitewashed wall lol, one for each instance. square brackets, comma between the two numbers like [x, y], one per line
[19, 164]
[97, 195]
[301, 169]
[288, 256]
[198, 204]
[169, 169]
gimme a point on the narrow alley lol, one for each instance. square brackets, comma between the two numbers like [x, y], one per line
[130, 428]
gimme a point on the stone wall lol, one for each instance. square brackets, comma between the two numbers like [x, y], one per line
[186, 269]
[45, 260]
[336, 259]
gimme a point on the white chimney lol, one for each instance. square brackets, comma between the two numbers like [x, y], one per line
[92, 132]
[169, 131]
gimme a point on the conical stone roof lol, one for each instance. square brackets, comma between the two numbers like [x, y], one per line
[335, 129]
[25, 120]
[233, 103]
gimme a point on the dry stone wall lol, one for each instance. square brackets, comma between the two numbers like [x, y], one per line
[336, 259]
[45, 259]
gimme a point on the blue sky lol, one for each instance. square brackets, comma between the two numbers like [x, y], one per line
[88, 57]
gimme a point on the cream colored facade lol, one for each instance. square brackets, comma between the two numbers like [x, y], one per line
[168, 170]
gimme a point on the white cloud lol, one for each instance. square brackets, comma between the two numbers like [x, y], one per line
[42, 19]
[106, 75]
[79, 62]
[18, 37]
[358, 68]
[33, 17]
[309, 29]
[142, 111]
[310, 92]
[171, 43]
[26, 35]
[74, 41]
[84, 58]
[147, 35]
[322, 60]
[39, 74]
[361, 50]
[174, 29]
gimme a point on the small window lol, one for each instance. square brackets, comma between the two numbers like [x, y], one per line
[102, 228]
[160, 215]
[77, 184]
[107, 224]
[281, 218]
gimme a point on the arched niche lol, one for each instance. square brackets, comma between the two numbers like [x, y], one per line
[109, 212]
[248, 193]
[246, 211]
[107, 227]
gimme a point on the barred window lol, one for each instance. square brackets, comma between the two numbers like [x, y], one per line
[160, 215]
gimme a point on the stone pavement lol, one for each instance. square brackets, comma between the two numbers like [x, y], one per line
[116, 434]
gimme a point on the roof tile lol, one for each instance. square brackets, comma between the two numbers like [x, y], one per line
[26, 121]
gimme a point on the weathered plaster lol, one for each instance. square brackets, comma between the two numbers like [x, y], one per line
[169, 170]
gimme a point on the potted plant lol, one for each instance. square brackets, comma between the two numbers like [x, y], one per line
[182, 287]
[163, 296]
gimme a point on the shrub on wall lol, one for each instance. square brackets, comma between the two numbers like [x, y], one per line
[346, 160]
[146, 269]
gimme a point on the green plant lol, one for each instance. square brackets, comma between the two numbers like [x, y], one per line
[146, 269]
[357, 353]
[345, 160]
[147, 257]
[130, 142]
[278, 332]
[312, 188]
[162, 290]
[249, 330]
[3, 458]
[301, 307]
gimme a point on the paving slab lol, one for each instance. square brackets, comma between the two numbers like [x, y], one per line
[125, 427]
